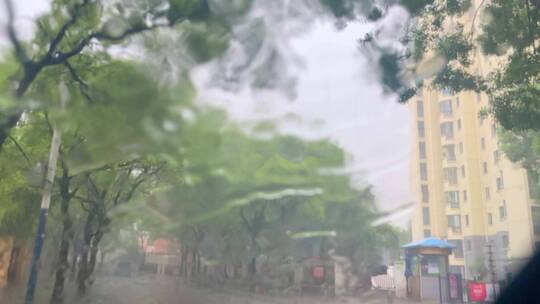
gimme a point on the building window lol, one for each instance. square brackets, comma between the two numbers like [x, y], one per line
[420, 108]
[462, 171]
[535, 210]
[427, 233]
[445, 107]
[425, 215]
[464, 195]
[500, 181]
[493, 130]
[458, 250]
[496, 156]
[481, 119]
[420, 92]
[449, 152]
[452, 198]
[505, 241]
[450, 175]
[469, 245]
[459, 124]
[423, 171]
[447, 129]
[533, 182]
[490, 219]
[422, 150]
[485, 167]
[466, 220]
[425, 193]
[488, 194]
[454, 222]
[502, 210]
[447, 91]
[421, 129]
[457, 102]
[460, 148]
[483, 143]
[478, 97]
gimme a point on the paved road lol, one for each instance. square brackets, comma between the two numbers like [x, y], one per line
[168, 290]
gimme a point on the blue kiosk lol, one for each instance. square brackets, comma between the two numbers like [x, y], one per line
[426, 271]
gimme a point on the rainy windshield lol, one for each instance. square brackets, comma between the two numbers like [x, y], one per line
[255, 151]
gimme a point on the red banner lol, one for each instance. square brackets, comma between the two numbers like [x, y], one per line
[318, 272]
[477, 292]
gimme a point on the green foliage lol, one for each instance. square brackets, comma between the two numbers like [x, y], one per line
[509, 30]
[518, 108]
[391, 68]
[523, 147]
[136, 149]
[457, 6]
[340, 8]
[207, 41]
[478, 268]
[455, 46]
[188, 9]
[21, 176]
[457, 79]
[416, 6]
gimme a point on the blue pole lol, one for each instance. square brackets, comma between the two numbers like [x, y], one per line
[38, 245]
[45, 202]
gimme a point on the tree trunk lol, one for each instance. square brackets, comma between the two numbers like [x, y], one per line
[74, 258]
[185, 252]
[94, 251]
[82, 275]
[88, 261]
[252, 268]
[193, 267]
[63, 253]
[198, 262]
[84, 266]
[101, 260]
[66, 239]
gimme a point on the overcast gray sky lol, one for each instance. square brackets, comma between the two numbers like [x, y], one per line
[338, 96]
[338, 86]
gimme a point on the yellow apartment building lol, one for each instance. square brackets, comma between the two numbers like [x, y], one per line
[467, 191]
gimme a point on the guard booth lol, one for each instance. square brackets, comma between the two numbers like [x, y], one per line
[426, 271]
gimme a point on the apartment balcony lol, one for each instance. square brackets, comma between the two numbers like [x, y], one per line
[452, 205]
[450, 184]
[447, 138]
[444, 117]
[454, 231]
[448, 161]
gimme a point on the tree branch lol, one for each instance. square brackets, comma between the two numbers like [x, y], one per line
[20, 53]
[75, 76]
[473, 22]
[530, 25]
[63, 30]
[7, 124]
[19, 148]
[244, 219]
[60, 57]
[92, 183]
[134, 187]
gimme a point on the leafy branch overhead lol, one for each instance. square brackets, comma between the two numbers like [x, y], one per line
[448, 39]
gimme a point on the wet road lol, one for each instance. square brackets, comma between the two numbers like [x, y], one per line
[170, 290]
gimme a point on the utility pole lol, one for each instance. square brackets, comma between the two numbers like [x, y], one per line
[45, 202]
[491, 265]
